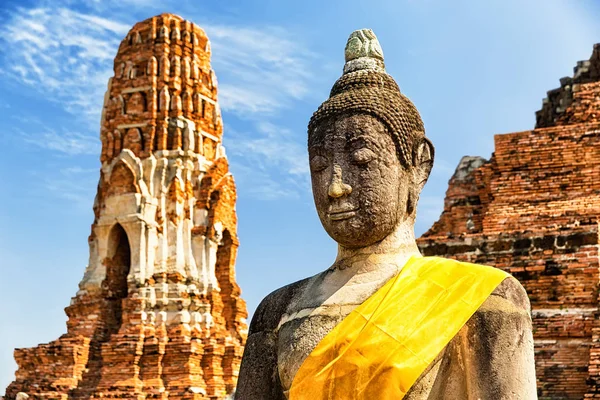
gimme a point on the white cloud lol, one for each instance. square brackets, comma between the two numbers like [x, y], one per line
[63, 54]
[67, 57]
[263, 69]
[70, 143]
[74, 184]
[271, 145]
[259, 184]
[270, 162]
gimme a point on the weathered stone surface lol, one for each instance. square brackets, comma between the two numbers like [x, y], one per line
[158, 313]
[533, 210]
[369, 159]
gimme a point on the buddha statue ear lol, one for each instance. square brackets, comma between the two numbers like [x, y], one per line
[423, 153]
[422, 160]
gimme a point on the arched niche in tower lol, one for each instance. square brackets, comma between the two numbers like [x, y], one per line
[197, 104]
[175, 66]
[122, 180]
[133, 141]
[152, 66]
[120, 70]
[136, 104]
[195, 67]
[186, 68]
[188, 105]
[130, 70]
[163, 32]
[164, 67]
[120, 104]
[175, 35]
[176, 106]
[118, 265]
[118, 142]
[174, 139]
[164, 99]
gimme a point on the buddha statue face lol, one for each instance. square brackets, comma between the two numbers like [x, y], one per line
[360, 188]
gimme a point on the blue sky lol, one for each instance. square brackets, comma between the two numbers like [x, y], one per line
[473, 69]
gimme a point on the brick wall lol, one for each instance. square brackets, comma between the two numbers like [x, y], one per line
[532, 210]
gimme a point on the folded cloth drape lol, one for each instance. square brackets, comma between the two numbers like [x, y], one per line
[380, 349]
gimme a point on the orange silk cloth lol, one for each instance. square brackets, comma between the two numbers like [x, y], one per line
[380, 349]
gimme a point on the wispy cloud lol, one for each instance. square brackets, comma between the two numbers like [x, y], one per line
[74, 184]
[263, 70]
[270, 162]
[271, 145]
[69, 143]
[66, 55]
[256, 183]
[63, 54]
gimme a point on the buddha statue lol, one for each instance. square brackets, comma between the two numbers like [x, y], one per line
[384, 322]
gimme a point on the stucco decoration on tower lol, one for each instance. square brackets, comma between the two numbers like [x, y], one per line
[158, 312]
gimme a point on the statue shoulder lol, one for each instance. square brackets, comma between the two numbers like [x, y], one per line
[510, 295]
[274, 305]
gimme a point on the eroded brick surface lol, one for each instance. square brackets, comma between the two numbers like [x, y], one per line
[532, 210]
[158, 313]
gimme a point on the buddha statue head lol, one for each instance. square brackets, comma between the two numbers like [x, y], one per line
[369, 157]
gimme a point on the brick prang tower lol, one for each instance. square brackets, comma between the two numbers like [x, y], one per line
[158, 313]
[532, 210]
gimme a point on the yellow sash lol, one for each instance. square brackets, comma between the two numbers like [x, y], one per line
[380, 349]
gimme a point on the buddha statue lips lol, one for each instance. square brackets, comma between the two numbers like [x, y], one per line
[342, 215]
[384, 322]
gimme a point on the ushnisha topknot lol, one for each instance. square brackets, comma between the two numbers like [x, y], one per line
[365, 87]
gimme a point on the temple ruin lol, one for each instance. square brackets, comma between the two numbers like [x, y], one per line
[158, 313]
[532, 210]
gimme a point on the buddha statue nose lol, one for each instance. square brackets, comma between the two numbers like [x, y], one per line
[337, 187]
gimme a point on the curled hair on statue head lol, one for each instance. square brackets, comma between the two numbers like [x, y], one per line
[365, 87]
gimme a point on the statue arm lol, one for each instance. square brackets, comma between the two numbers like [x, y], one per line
[499, 346]
[259, 376]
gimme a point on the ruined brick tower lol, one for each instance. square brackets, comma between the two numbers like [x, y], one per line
[533, 210]
[158, 313]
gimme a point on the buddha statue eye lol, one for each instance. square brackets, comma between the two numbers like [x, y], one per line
[318, 163]
[363, 156]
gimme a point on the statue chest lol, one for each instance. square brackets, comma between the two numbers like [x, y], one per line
[311, 316]
[297, 338]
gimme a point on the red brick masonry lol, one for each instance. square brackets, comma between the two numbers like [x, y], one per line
[132, 337]
[532, 210]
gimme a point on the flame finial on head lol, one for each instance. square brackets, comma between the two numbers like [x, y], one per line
[363, 51]
[365, 87]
